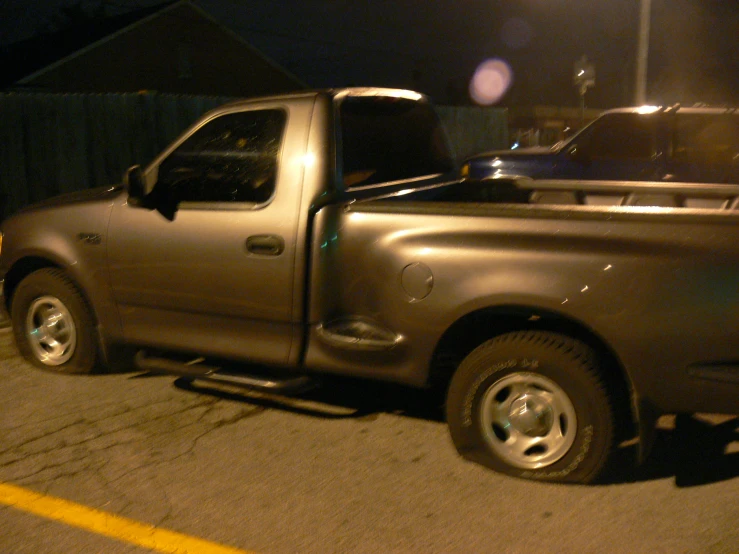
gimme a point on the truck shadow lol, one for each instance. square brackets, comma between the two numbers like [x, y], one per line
[694, 450]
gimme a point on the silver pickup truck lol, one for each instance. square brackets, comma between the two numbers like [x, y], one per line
[328, 232]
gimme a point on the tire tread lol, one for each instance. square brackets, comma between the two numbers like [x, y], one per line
[573, 353]
[52, 277]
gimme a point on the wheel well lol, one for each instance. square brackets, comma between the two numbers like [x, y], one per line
[472, 330]
[20, 270]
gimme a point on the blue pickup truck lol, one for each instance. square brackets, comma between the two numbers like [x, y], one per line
[699, 145]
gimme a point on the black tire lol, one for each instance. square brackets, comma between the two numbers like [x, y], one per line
[532, 405]
[52, 324]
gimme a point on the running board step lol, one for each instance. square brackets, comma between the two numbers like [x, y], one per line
[194, 369]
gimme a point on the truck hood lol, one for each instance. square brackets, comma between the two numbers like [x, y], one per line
[529, 162]
[53, 227]
[534, 152]
[77, 197]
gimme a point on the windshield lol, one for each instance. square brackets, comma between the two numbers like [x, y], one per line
[556, 147]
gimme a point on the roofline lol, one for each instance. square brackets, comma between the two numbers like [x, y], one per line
[334, 93]
[126, 29]
[97, 43]
[246, 43]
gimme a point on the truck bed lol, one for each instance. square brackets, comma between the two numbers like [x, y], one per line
[598, 193]
[654, 282]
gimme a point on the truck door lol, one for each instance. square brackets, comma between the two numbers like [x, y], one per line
[618, 146]
[216, 275]
[705, 147]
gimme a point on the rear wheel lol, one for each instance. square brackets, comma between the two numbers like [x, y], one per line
[532, 405]
[52, 324]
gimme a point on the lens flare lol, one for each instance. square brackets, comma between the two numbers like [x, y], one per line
[491, 81]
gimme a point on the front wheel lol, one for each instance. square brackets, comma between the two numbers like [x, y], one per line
[532, 405]
[52, 324]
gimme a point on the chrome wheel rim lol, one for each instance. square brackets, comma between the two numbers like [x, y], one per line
[51, 332]
[528, 420]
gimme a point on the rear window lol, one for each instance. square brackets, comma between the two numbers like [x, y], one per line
[389, 139]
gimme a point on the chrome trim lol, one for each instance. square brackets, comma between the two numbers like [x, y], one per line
[382, 339]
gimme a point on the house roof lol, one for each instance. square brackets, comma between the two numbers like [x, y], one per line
[23, 58]
[22, 61]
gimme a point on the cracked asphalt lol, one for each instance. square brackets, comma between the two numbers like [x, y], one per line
[352, 467]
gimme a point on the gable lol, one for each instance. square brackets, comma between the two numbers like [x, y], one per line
[178, 49]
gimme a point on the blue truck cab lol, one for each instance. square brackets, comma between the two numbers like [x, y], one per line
[648, 143]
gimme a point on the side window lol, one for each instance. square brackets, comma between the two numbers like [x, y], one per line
[232, 158]
[706, 139]
[623, 136]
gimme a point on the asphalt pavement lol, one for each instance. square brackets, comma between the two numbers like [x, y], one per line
[350, 468]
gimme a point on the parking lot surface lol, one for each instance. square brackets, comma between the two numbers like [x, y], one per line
[352, 467]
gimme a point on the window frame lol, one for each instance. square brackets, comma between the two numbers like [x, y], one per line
[153, 172]
[597, 127]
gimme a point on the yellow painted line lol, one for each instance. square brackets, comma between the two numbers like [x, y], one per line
[110, 525]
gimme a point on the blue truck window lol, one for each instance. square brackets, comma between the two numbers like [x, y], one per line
[623, 136]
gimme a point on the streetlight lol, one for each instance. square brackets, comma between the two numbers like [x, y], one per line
[642, 56]
[583, 77]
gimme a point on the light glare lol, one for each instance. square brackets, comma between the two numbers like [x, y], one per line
[647, 109]
[490, 82]
[309, 160]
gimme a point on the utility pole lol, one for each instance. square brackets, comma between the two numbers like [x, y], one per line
[642, 55]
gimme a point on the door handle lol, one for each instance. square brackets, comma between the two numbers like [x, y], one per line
[265, 245]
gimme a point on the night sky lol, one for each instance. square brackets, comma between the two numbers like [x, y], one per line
[435, 45]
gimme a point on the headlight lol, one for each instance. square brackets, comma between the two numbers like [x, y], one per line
[465, 171]
[1, 242]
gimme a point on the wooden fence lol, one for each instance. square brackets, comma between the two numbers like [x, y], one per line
[56, 143]
[472, 129]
